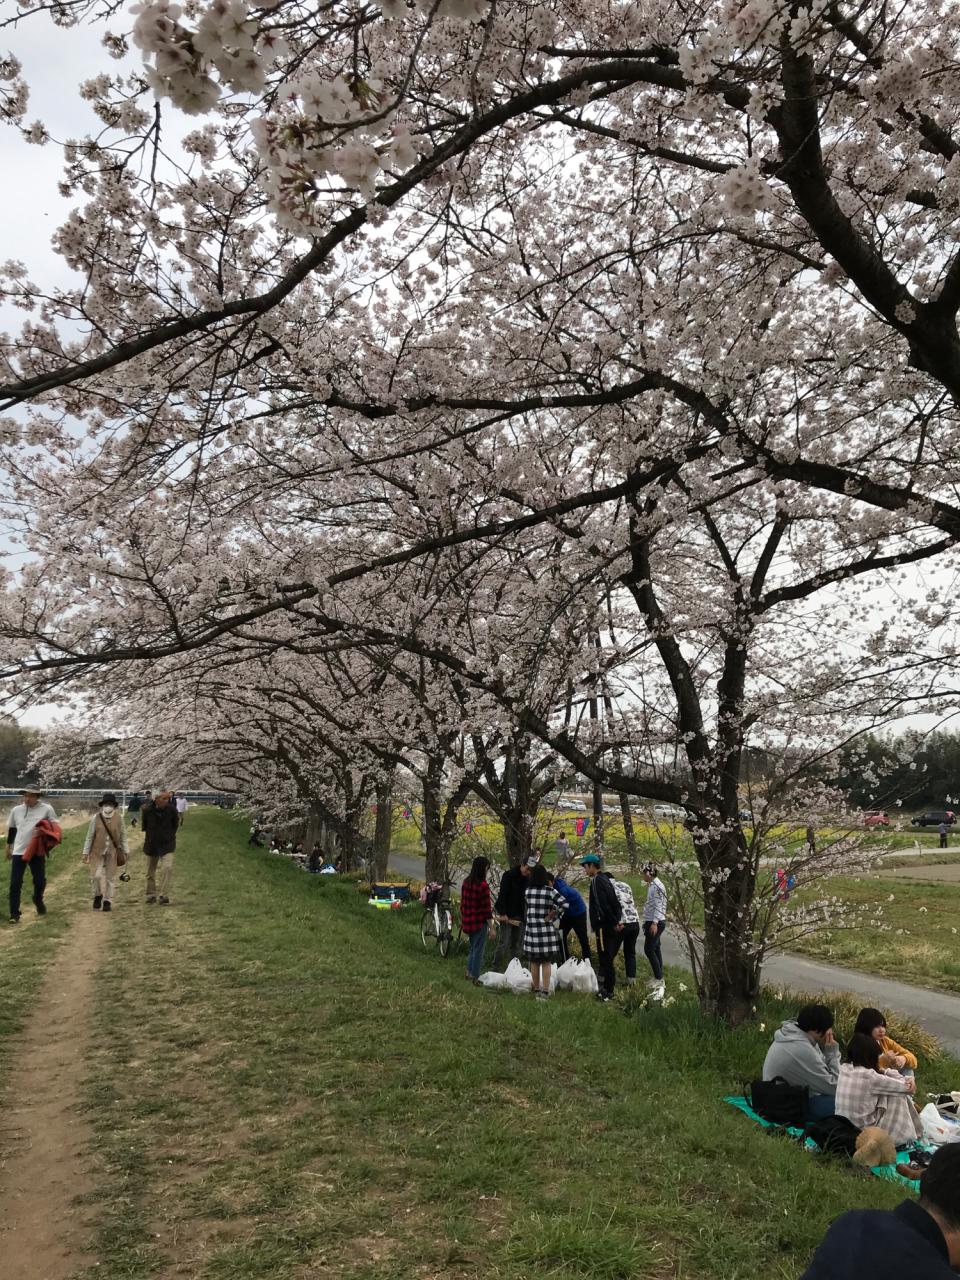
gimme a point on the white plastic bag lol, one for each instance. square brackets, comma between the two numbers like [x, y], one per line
[517, 978]
[565, 974]
[584, 979]
[937, 1128]
[493, 980]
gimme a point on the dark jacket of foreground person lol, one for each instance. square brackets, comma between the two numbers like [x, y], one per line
[605, 908]
[871, 1242]
[511, 898]
[160, 829]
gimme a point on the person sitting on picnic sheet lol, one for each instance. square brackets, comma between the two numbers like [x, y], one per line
[868, 1096]
[871, 1022]
[804, 1052]
[919, 1239]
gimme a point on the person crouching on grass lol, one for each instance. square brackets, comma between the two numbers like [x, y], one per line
[106, 838]
[541, 936]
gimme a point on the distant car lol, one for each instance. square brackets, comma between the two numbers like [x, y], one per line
[934, 818]
[745, 816]
[667, 811]
[875, 818]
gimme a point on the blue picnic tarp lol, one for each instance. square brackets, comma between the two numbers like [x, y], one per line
[887, 1171]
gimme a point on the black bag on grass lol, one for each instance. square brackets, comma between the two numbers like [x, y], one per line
[780, 1103]
[834, 1133]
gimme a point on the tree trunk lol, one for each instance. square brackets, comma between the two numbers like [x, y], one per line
[311, 843]
[730, 981]
[629, 833]
[383, 830]
[435, 854]
[517, 834]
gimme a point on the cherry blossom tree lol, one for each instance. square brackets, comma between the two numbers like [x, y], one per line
[666, 295]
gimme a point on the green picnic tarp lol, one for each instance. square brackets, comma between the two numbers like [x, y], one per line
[887, 1171]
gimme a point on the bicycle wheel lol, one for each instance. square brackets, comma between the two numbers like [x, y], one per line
[446, 932]
[428, 928]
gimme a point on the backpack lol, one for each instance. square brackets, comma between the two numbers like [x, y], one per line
[778, 1102]
[834, 1133]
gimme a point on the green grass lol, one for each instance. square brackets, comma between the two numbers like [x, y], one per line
[285, 1085]
[27, 951]
[918, 941]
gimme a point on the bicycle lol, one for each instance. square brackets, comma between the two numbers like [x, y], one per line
[436, 923]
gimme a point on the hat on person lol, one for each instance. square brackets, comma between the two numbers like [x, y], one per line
[108, 798]
[31, 791]
[591, 860]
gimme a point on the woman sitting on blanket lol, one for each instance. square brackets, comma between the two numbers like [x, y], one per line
[866, 1095]
[871, 1022]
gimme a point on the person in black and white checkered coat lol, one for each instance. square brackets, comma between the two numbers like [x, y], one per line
[541, 935]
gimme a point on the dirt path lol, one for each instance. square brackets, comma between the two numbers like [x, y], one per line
[44, 1136]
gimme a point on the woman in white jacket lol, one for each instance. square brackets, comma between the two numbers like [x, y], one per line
[868, 1096]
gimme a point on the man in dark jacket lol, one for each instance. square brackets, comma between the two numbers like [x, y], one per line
[917, 1239]
[160, 822]
[606, 921]
[509, 910]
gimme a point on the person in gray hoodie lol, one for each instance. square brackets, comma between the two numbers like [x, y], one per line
[804, 1052]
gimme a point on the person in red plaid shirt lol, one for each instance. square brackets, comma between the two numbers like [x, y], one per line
[476, 912]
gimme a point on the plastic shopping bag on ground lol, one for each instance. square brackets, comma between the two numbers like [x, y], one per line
[517, 978]
[565, 974]
[937, 1128]
[493, 980]
[584, 979]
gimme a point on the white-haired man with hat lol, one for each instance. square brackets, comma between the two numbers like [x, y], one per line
[24, 818]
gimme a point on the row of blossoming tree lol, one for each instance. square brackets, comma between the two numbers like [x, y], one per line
[472, 364]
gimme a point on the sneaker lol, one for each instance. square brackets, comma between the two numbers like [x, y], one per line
[164, 902]
[542, 995]
[107, 906]
[15, 919]
[657, 992]
[41, 908]
[152, 897]
[98, 901]
[604, 997]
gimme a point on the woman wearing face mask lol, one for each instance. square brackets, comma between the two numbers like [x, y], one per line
[106, 836]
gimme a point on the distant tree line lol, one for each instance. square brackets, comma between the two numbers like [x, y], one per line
[922, 771]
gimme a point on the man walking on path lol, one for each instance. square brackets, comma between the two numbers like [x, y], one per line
[606, 921]
[20, 834]
[943, 835]
[654, 923]
[160, 822]
[106, 840]
[181, 808]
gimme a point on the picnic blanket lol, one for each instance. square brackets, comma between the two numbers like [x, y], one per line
[887, 1171]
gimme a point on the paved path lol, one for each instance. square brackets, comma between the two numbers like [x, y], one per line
[936, 1011]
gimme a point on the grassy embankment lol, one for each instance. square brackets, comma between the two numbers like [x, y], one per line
[284, 1085]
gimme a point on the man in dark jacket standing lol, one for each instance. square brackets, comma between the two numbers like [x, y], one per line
[509, 910]
[160, 821]
[919, 1239]
[606, 921]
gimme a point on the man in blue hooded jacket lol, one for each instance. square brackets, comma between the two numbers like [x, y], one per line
[574, 918]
